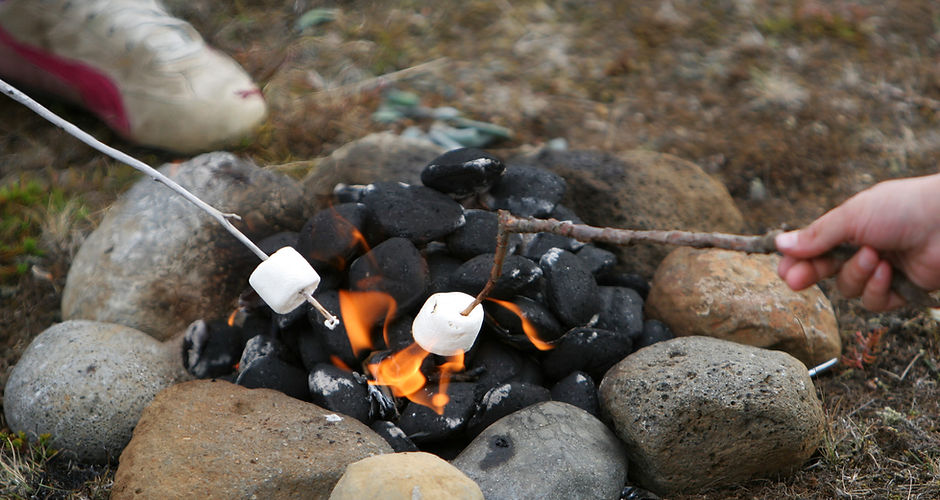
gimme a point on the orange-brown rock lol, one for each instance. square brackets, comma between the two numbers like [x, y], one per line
[214, 439]
[739, 297]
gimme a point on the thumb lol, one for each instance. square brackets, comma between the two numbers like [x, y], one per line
[825, 233]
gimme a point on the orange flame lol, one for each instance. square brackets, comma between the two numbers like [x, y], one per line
[527, 327]
[231, 317]
[402, 373]
[339, 363]
[360, 312]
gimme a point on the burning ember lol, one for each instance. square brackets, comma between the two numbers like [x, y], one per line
[397, 264]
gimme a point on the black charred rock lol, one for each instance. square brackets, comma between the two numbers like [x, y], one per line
[284, 321]
[394, 267]
[312, 349]
[503, 400]
[398, 333]
[334, 236]
[441, 268]
[422, 425]
[499, 364]
[262, 346]
[528, 191]
[597, 260]
[211, 349]
[478, 235]
[417, 213]
[629, 280]
[592, 350]
[335, 341]
[630, 492]
[653, 331]
[621, 310]
[270, 372]
[349, 193]
[562, 212]
[278, 241]
[540, 243]
[519, 276]
[505, 322]
[394, 436]
[578, 389]
[569, 288]
[462, 172]
[338, 390]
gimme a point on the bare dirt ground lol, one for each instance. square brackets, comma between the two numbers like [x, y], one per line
[794, 105]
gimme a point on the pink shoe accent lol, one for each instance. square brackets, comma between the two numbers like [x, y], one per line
[98, 93]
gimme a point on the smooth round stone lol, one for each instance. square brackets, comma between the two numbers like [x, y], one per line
[578, 389]
[441, 268]
[417, 213]
[405, 476]
[569, 287]
[528, 191]
[86, 383]
[462, 172]
[503, 400]
[500, 364]
[549, 451]
[339, 390]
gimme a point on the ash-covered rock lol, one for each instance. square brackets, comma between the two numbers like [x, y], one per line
[528, 191]
[503, 400]
[621, 311]
[478, 235]
[462, 172]
[570, 288]
[212, 348]
[578, 389]
[417, 213]
[422, 424]
[394, 436]
[593, 350]
[510, 320]
[271, 372]
[394, 267]
[519, 276]
[334, 236]
[653, 331]
[339, 390]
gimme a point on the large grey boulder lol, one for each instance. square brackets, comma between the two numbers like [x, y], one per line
[214, 439]
[86, 383]
[698, 412]
[156, 263]
[739, 297]
[640, 190]
[549, 450]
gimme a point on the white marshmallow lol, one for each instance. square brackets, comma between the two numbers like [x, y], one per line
[283, 279]
[441, 329]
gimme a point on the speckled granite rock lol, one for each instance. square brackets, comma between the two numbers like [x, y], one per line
[86, 383]
[698, 412]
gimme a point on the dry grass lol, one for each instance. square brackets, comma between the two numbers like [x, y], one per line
[815, 100]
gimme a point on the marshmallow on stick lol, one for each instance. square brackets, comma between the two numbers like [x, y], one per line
[284, 280]
[440, 327]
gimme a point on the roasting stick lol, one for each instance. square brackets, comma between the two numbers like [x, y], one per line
[764, 243]
[222, 218]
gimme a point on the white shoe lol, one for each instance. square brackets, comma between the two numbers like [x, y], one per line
[147, 74]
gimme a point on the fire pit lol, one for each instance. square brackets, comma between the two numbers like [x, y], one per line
[556, 318]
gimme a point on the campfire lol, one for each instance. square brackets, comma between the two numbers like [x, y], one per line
[417, 343]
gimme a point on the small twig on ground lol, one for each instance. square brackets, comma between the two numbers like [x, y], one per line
[909, 365]
[378, 81]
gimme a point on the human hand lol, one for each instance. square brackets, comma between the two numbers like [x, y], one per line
[896, 223]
